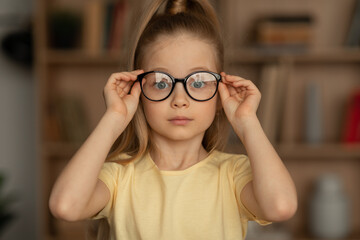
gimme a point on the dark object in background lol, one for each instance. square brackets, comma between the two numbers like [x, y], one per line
[65, 27]
[18, 46]
[6, 215]
[353, 38]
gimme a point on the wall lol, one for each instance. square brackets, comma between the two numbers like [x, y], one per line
[17, 127]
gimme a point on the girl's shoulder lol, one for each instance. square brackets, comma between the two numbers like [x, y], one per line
[121, 160]
[232, 159]
[125, 161]
[117, 165]
[225, 156]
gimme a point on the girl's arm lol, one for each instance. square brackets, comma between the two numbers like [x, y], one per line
[271, 195]
[77, 193]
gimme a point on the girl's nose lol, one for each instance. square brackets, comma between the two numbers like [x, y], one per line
[180, 98]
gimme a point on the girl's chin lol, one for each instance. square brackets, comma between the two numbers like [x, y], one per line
[178, 135]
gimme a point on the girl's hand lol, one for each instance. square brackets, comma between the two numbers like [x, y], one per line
[240, 97]
[117, 97]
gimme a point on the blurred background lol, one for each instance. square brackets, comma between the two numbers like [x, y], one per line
[56, 56]
[19, 167]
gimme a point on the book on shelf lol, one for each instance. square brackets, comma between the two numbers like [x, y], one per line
[67, 120]
[272, 87]
[104, 23]
[281, 32]
[353, 38]
[52, 125]
[351, 131]
[117, 26]
[93, 27]
[313, 113]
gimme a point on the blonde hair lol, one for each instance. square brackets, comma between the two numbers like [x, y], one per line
[168, 18]
[195, 17]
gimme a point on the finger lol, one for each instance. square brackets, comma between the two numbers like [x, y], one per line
[137, 72]
[236, 79]
[224, 91]
[120, 76]
[119, 80]
[247, 86]
[134, 74]
[124, 90]
[127, 84]
[131, 75]
[223, 77]
[241, 83]
[114, 80]
[135, 90]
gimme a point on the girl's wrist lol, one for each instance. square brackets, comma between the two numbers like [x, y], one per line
[115, 122]
[245, 124]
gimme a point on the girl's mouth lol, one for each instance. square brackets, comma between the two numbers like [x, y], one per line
[180, 121]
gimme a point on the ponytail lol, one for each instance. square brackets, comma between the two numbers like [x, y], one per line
[176, 6]
[165, 17]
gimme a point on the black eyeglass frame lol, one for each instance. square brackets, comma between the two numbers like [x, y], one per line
[182, 80]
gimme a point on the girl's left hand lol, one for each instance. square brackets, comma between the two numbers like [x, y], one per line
[240, 97]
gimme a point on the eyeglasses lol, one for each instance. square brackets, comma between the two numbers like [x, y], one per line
[200, 86]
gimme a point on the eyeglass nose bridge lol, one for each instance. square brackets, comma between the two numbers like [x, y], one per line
[183, 81]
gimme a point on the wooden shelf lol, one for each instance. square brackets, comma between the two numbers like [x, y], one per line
[321, 151]
[354, 238]
[340, 55]
[79, 57]
[328, 151]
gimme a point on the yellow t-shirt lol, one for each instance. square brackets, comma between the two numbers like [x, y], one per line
[200, 202]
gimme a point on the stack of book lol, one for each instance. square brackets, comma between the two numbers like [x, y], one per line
[284, 32]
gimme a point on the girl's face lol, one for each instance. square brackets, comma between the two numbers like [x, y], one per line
[179, 117]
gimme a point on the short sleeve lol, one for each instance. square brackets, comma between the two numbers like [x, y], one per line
[109, 174]
[242, 176]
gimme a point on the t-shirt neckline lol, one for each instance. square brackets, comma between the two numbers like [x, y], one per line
[184, 171]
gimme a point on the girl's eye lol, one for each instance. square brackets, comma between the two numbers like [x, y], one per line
[161, 85]
[197, 84]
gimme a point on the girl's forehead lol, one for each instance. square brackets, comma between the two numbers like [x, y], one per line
[178, 39]
[183, 51]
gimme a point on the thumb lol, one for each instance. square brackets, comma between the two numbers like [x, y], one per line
[135, 90]
[224, 91]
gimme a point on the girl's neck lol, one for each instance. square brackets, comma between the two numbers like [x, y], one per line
[177, 155]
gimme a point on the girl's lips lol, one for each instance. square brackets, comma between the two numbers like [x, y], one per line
[180, 121]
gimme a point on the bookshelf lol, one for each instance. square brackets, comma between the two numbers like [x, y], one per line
[83, 70]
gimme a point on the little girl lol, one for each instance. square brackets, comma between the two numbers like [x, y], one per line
[167, 178]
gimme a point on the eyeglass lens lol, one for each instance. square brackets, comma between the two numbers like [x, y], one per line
[158, 86]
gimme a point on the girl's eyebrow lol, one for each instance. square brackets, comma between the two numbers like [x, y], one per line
[200, 68]
[160, 69]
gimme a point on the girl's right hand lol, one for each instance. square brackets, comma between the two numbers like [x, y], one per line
[117, 97]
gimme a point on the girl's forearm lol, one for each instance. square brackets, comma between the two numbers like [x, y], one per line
[75, 185]
[273, 186]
